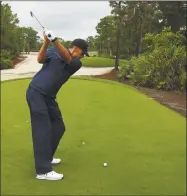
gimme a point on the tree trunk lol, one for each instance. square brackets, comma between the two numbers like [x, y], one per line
[117, 46]
[109, 49]
[118, 35]
[110, 52]
[139, 44]
[100, 50]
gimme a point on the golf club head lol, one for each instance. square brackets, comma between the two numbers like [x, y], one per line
[33, 16]
[31, 13]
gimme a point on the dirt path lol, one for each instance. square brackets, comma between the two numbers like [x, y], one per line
[29, 67]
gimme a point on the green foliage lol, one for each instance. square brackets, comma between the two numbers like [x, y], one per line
[183, 81]
[91, 43]
[162, 68]
[28, 39]
[164, 39]
[5, 64]
[5, 59]
[163, 65]
[141, 71]
[104, 42]
[15, 39]
[67, 44]
[124, 70]
[9, 23]
[150, 17]
[134, 26]
[174, 14]
[5, 54]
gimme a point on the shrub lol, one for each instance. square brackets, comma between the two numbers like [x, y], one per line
[5, 59]
[183, 81]
[163, 65]
[5, 64]
[164, 39]
[161, 68]
[6, 54]
[143, 71]
[125, 70]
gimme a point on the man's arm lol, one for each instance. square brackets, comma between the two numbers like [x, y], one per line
[42, 53]
[63, 51]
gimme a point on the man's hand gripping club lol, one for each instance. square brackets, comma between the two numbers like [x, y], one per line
[50, 37]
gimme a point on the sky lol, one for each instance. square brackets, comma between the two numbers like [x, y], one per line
[67, 19]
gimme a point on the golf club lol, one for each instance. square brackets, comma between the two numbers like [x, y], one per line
[32, 15]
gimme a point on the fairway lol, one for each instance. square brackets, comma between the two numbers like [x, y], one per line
[142, 141]
[100, 62]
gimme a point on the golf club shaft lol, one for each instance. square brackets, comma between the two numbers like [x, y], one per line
[37, 20]
[32, 15]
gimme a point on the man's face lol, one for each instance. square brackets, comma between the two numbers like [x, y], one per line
[77, 52]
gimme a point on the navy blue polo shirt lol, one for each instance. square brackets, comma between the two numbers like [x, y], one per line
[54, 73]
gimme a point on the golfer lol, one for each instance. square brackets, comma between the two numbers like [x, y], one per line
[47, 123]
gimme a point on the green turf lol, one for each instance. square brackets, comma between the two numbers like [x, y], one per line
[99, 62]
[142, 141]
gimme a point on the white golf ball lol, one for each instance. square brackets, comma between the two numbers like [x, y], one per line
[105, 164]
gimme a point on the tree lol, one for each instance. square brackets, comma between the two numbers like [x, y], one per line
[123, 14]
[8, 30]
[67, 44]
[15, 38]
[106, 30]
[174, 14]
[91, 43]
[28, 39]
[137, 18]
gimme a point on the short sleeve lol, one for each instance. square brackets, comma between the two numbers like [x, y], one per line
[75, 63]
[74, 66]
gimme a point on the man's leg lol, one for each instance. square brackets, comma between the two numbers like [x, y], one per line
[58, 129]
[58, 126]
[41, 131]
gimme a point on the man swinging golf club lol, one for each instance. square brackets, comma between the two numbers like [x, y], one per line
[47, 123]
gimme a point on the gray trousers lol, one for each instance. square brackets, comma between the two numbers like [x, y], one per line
[47, 128]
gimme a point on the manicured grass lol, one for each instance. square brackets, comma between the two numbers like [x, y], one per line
[99, 62]
[142, 141]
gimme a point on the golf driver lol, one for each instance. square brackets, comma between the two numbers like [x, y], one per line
[32, 15]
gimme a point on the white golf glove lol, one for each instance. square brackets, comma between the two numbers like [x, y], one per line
[50, 35]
